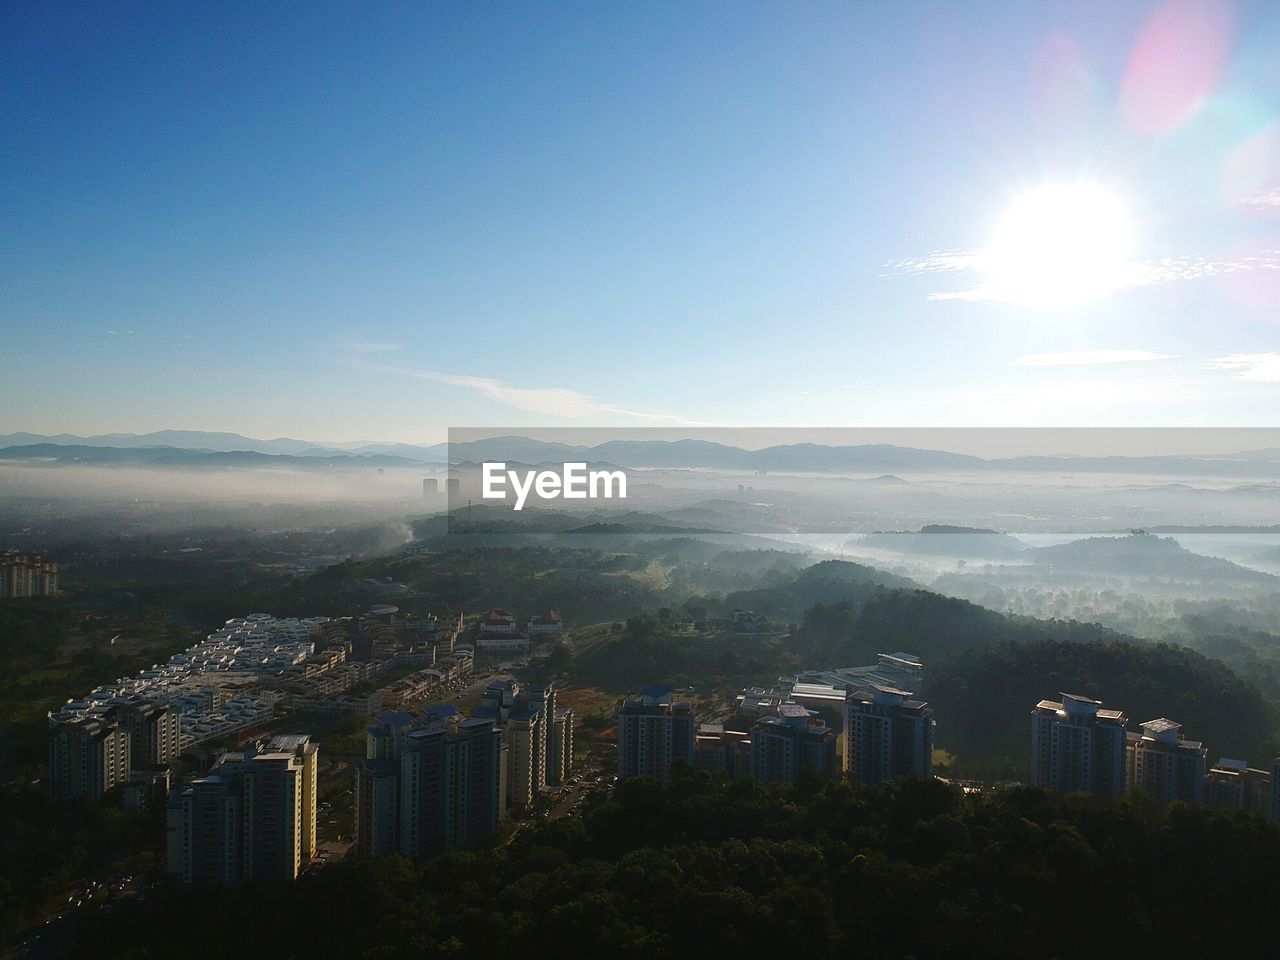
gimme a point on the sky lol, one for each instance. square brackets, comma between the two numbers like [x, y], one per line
[380, 221]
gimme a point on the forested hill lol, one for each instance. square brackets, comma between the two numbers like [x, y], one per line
[709, 868]
[983, 697]
[830, 581]
[986, 670]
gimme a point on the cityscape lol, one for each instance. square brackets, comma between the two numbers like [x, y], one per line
[639, 481]
[435, 778]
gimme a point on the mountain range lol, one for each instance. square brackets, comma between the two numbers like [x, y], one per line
[1261, 464]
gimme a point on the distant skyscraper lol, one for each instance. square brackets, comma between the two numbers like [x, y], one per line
[430, 488]
[653, 732]
[27, 576]
[1078, 746]
[887, 734]
[783, 746]
[1160, 762]
[87, 757]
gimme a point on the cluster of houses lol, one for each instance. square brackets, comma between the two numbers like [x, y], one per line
[500, 638]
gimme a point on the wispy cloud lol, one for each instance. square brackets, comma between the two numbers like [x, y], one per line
[1267, 200]
[120, 333]
[989, 285]
[1260, 367]
[1090, 358]
[550, 401]
[364, 347]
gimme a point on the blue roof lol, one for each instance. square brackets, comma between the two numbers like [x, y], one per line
[655, 691]
[396, 719]
[441, 711]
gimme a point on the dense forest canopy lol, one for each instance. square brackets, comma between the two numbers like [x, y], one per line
[708, 868]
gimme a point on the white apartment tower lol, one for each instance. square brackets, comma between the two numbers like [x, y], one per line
[887, 734]
[1165, 765]
[1078, 746]
[653, 732]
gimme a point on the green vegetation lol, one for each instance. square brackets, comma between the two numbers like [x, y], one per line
[45, 848]
[706, 867]
[983, 698]
[49, 653]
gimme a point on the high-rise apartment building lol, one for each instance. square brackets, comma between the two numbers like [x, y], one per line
[377, 807]
[377, 790]
[653, 732]
[451, 786]
[1234, 785]
[710, 752]
[206, 831]
[1273, 802]
[1078, 746]
[154, 729]
[252, 818]
[887, 734]
[560, 747]
[784, 745]
[304, 756]
[538, 737]
[526, 760]
[1165, 765]
[22, 575]
[87, 757]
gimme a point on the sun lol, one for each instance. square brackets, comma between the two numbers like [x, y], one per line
[1060, 246]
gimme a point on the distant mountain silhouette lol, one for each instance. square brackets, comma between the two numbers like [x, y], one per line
[179, 457]
[1143, 555]
[883, 460]
[943, 540]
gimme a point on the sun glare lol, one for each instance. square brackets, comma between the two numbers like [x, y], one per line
[1060, 246]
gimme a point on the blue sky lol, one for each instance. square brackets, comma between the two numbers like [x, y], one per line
[359, 221]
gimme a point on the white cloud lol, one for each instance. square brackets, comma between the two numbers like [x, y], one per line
[550, 401]
[1260, 367]
[1089, 358]
[988, 285]
[1266, 200]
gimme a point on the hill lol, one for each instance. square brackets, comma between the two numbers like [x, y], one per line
[1145, 555]
[943, 540]
[181, 457]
